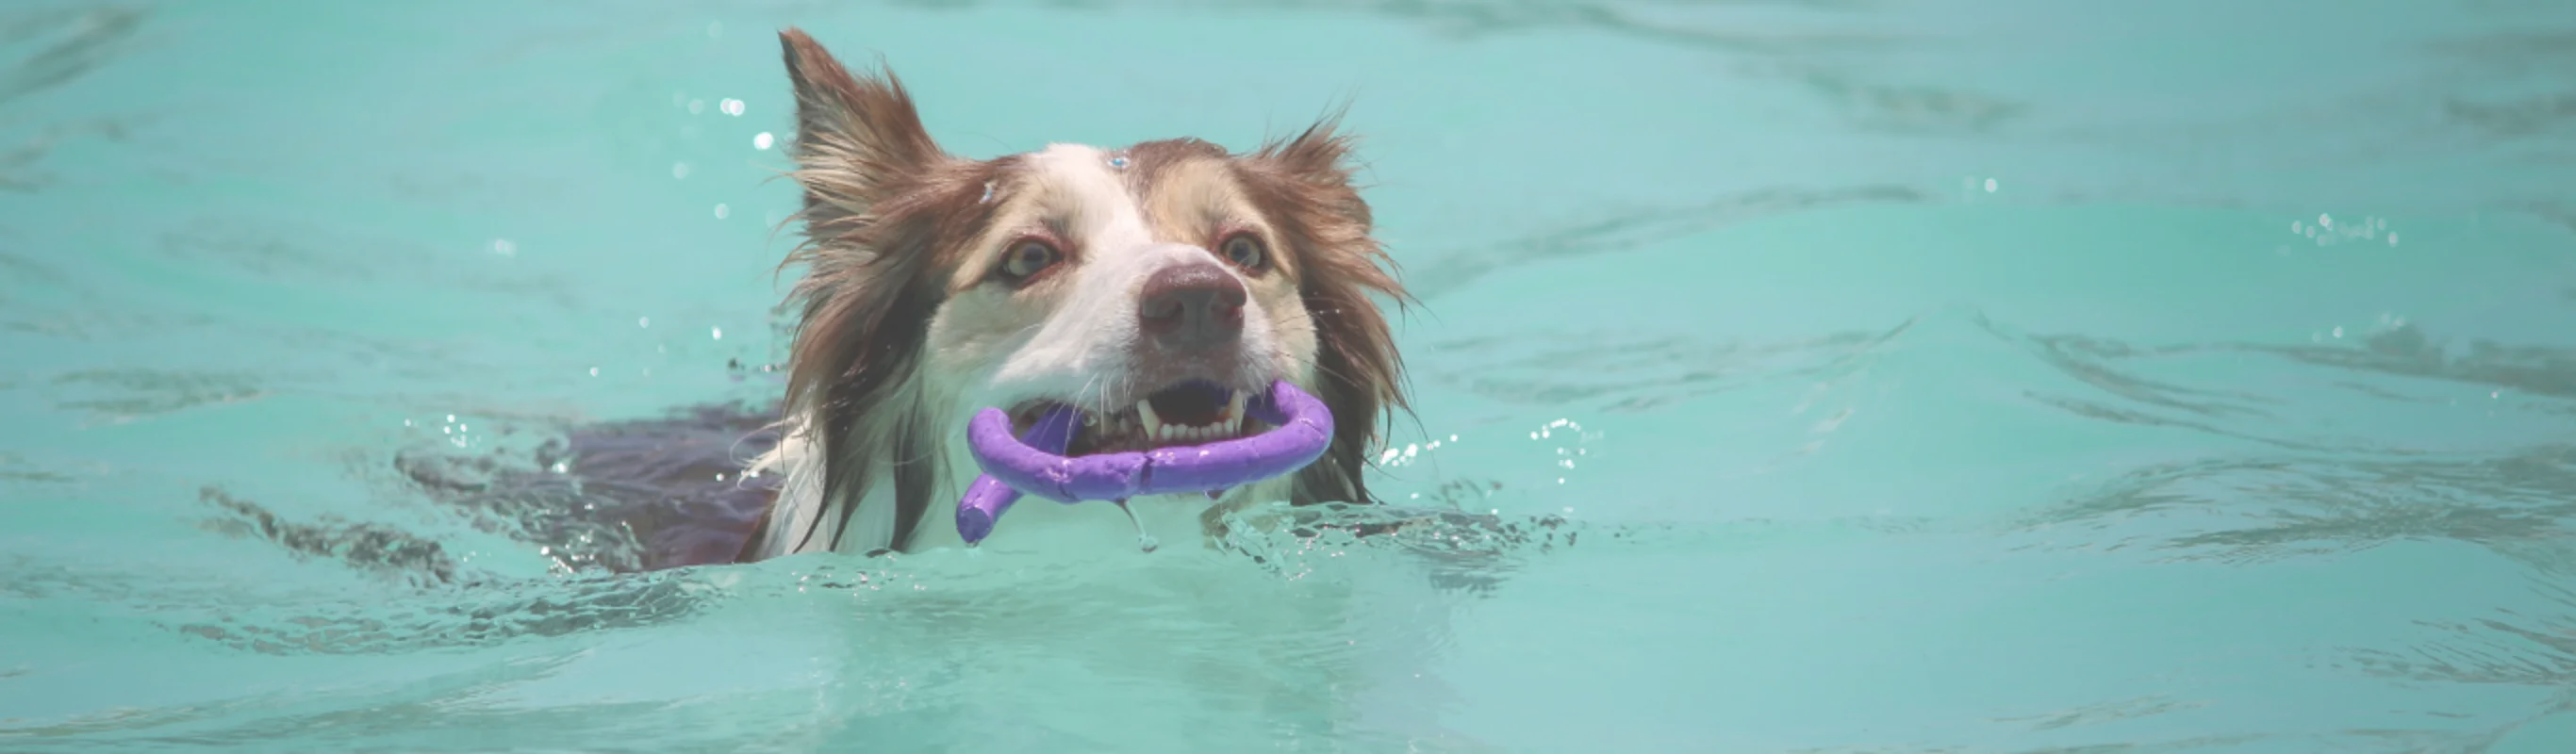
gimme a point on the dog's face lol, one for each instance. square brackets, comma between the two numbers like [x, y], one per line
[1152, 287]
[1140, 286]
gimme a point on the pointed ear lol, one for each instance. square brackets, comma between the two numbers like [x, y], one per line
[857, 139]
[1315, 157]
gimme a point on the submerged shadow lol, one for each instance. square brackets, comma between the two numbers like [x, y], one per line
[623, 496]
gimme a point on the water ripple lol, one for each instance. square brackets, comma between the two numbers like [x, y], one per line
[2511, 648]
[476, 616]
[132, 394]
[1631, 373]
[80, 41]
[2251, 510]
[1456, 269]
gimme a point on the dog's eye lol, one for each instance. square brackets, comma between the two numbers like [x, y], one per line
[1245, 251]
[1028, 258]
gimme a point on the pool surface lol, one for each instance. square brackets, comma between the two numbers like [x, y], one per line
[1802, 376]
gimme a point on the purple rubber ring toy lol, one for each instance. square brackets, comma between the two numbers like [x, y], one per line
[1035, 464]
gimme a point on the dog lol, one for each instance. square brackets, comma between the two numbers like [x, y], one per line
[1150, 287]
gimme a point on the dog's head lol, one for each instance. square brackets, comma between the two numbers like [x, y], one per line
[1151, 287]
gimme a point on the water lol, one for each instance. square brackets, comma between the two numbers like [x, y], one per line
[1901, 376]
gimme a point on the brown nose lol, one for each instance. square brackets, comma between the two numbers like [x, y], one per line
[1191, 306]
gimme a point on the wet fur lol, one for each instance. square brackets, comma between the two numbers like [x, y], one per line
[891, 220]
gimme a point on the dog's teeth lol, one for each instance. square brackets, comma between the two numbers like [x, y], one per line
[1234, 406]
[1153, 424]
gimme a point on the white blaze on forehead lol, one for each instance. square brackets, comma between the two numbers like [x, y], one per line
[1076, 184]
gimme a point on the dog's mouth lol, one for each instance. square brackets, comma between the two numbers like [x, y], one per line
[1193, 412]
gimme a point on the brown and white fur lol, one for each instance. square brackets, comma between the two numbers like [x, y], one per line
[935, 286]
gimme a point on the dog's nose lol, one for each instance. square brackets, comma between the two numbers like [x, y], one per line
[1191, 306]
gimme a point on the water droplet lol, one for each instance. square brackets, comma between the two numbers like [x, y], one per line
[594, 371]
[2392, 239]
[731, 106]
[719, 333]
[2325, 221]
[723, 211]
[680, 170]
[2295, 226]
[763, 140]
[697, 106]
[2338, 332]
[643, 321]
[504, 247]
[1990, 185]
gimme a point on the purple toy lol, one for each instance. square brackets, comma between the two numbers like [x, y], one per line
[1034, 463]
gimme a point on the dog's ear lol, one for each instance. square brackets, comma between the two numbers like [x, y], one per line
[881, 201]
[1304, 185]
[857, 139]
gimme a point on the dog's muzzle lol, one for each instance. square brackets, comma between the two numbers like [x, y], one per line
[1034, 463]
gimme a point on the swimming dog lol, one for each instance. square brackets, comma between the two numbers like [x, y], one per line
[1151, 288]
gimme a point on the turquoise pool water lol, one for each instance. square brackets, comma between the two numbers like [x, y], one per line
[1829, 376]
